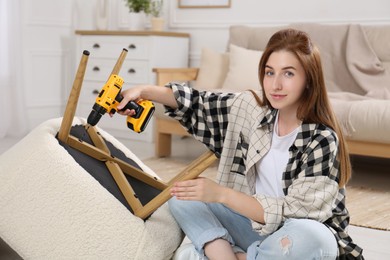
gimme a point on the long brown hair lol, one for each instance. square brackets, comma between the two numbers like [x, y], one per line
[315, 106]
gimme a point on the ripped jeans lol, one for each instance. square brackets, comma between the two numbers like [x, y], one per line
[296, 239]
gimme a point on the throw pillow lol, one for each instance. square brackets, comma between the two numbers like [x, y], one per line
[243, 69]
[212, 70]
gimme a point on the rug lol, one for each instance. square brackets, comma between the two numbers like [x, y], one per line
[368, 208]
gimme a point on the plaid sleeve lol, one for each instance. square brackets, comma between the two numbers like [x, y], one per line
[313, 189]
[204, 114]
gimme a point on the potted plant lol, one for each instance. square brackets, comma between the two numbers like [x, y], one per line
[138, 6]
[138, 10]
[156, 8]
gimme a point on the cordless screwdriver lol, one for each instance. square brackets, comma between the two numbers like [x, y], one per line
[109, 98]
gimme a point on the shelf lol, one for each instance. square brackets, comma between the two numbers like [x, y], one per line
[137, 33]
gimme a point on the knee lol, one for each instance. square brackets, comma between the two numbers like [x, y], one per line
[298, 239]
[307, 238]
[174, 205]
[178, 206]
[314, 231]
[285, 244]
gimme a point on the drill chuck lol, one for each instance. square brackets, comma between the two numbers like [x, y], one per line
[96, 114]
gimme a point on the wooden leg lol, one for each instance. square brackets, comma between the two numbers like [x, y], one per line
[119, 62]
[163, 145]
[71, 106]
[165, 128]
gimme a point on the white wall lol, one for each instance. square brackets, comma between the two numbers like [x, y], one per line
[48, 35]
[209, 26]
[47, 46]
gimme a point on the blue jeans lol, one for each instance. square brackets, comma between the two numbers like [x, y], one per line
[296, 239]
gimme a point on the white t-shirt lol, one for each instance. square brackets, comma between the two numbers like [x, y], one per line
[271, 167]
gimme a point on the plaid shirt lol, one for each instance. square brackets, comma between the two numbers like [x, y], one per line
[239, 131]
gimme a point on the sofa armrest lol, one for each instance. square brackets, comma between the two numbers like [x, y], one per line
[165, 75]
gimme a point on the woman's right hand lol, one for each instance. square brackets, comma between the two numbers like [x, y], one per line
[162, 95]
[131, 94]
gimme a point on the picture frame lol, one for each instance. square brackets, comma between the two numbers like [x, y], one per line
[204, 3]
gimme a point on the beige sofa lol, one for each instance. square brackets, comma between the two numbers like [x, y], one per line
[356, 62]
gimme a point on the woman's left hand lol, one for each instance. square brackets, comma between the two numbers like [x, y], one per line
[201, 189]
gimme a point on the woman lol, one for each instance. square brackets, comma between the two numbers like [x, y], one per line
[283, 167]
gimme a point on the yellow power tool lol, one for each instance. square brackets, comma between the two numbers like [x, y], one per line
[109, 98]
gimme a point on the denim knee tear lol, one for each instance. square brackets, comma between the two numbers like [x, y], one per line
[285, 244]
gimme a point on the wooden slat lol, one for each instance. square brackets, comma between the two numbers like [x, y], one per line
[103, 156]
[196, 166]
[190, 172]
[124, 185]
[97, 139]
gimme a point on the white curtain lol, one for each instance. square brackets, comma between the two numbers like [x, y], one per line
[11, 89]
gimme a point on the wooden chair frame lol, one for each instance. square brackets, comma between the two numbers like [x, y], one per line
[117, 167]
